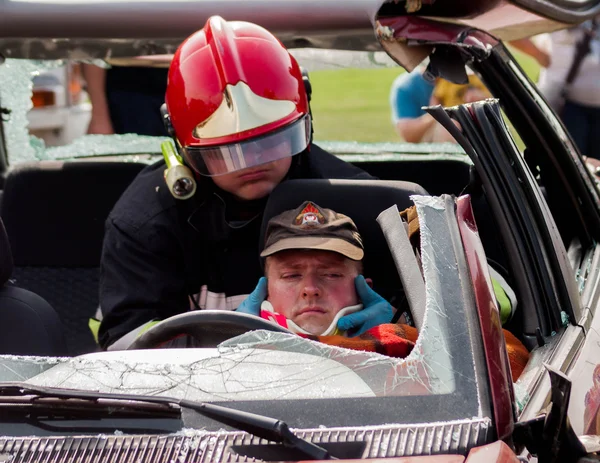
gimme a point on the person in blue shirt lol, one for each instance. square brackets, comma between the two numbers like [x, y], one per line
[409, 93]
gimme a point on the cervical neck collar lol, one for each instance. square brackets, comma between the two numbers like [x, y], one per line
[267, 312]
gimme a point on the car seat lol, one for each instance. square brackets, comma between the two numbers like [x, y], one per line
[28, 324]
[54, 213]
[363, 201]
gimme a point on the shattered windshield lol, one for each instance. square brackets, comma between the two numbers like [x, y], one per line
[44, 119]
[18, 78]
[443, 367]
[440, 379]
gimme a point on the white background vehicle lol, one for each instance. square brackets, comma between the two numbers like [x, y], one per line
[61, 110]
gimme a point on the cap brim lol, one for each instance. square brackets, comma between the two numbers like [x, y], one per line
[318, 243]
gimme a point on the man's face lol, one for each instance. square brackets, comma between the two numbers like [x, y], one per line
[254, 182]
[311, 287]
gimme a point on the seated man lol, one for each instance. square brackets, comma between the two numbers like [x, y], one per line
[313, 277]
[313, 270]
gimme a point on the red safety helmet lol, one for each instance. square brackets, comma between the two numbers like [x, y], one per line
[236, 98]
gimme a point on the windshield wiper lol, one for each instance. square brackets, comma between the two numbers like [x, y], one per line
[258, 425]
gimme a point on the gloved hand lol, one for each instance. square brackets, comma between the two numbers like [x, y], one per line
[376, 310]
[251, 305]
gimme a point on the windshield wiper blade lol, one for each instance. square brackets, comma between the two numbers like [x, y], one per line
[258, 425]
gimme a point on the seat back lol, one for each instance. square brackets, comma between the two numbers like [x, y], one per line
[28, 324]
[363, 201]
[54, 213]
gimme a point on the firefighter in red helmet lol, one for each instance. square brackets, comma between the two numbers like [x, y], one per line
[237, 108]
[236, 99]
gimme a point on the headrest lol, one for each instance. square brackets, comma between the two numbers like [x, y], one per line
[6, 260]
[361, 200]
[54, 211]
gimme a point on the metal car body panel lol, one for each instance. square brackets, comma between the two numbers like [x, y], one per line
[584, 366]
[79, 29]
[584, 406]
[86, 25]
[491, 328]
[198, 445]
[192, 446]
[496, 452]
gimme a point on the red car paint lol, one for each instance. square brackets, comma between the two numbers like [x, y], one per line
[496, 452]
[501, 386]
[427, 31]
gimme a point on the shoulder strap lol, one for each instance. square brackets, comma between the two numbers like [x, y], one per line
[581, 51]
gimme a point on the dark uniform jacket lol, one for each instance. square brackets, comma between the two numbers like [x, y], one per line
[163, 256]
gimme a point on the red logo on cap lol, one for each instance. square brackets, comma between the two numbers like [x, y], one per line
[309, 216]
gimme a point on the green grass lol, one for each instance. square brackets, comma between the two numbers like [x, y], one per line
[353, 104]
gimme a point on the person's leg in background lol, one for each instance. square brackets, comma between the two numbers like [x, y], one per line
[583, 123]
[136, 112]
[134, 96]
[594, 135]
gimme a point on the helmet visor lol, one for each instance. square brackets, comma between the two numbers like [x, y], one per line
[224, 159]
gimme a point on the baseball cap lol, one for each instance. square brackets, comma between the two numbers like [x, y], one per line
[313, 227]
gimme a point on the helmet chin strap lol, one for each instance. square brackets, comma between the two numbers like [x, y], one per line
[331, 330]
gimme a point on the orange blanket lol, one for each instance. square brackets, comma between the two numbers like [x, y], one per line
[398, 341]
[518, 355]
[389, 339]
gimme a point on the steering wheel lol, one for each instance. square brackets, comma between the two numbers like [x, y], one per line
[208, 328]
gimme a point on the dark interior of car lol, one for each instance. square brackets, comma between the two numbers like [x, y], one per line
[57, 244]
[28, 324]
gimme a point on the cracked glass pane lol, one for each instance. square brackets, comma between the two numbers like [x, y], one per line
[106, 145]
[15, 96]
[533, 373]
[21, 368]
[58, 132]
[260, 365]
[18, 78]
[265, 365]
